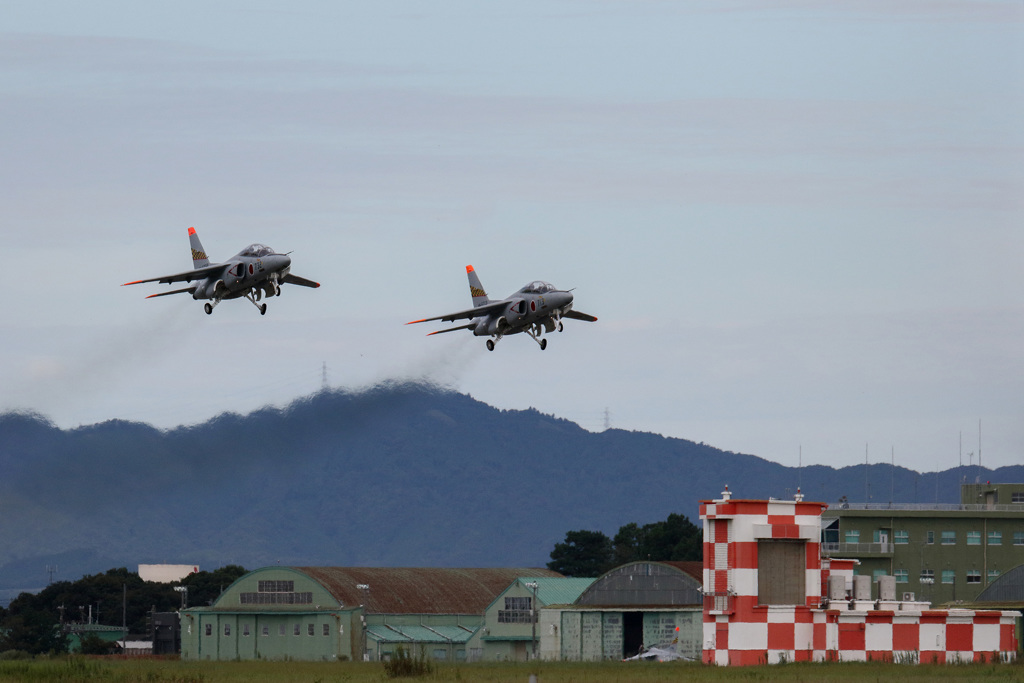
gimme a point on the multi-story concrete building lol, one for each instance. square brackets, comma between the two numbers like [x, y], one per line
[937, 553]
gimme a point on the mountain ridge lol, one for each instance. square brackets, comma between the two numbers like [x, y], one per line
[398, 475]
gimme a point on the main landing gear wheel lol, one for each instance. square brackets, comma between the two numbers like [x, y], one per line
[263, 309]
[543, 344]
[208, 308]
[490, 344]
[559, 325]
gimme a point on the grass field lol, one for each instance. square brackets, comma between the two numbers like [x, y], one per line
[76, 669]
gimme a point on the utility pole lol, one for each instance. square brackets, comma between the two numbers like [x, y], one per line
[532, 585]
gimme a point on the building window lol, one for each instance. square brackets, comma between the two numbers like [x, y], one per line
[876, 574]
[1018, 537]
[948, 576]
[902, 537]
[245, 629]
[995, 538]
[974, 576]
[276, 586]
[327, 629]
[1017, 497]
[440, 655]
[927, 576]
[902, 576]
[309, 629]
[852, 536]
[993, 574]
[295, 631]
[227, 629]
[948, 538]
[305, 598]
[266, 630]
[209, 629]
[781, 573]
[930, 538]
[280, 630]
[973, 538]
[517, 611]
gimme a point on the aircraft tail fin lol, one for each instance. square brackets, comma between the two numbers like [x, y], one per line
[199, 258]
[476, 289]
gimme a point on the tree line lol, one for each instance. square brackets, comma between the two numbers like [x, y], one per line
[591, 553]
[32, 623]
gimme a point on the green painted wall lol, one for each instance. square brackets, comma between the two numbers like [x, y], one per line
[977, 548]
[235, 629]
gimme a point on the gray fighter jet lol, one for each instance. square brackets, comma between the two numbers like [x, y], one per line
[252, 272]
[536, 308]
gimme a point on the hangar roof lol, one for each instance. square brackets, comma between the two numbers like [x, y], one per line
[390, 633]
[419, 590]
[1007, 588]
[646, 583]
[557, 590]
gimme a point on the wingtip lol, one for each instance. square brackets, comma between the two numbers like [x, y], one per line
[133, 282]
[412, 322]
[191, 231]
[469, 269]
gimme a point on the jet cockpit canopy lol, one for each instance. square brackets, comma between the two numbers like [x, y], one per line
[257, 250]
[538, 287]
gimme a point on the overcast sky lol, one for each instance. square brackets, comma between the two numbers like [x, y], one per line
[799, 223]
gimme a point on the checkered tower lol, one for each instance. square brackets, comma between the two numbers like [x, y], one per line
[762, 578]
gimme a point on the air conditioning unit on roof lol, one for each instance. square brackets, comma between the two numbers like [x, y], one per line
[908, 597]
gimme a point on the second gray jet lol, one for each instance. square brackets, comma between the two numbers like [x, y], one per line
[534, 309]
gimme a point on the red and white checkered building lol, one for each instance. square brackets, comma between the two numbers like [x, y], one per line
[763, 586]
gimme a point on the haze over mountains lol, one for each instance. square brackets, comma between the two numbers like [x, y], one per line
[401, 475]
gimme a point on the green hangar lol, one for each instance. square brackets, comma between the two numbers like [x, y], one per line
[332, 613]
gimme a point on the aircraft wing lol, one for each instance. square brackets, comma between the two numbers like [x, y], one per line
[468, 313]
[296, 280]
[576, 315]
[189, 290]
[452, 329]
[187, 276]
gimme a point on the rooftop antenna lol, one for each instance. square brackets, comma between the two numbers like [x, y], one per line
[979, 442]
[892, 485]
[799, 468]
[867, 485]
[51, 569]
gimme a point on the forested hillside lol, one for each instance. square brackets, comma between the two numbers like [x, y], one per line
[399, 475]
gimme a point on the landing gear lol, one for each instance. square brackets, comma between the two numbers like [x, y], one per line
[208, 308]
[254, 298]
[560, 327]
[490, 344]
[542, 342]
